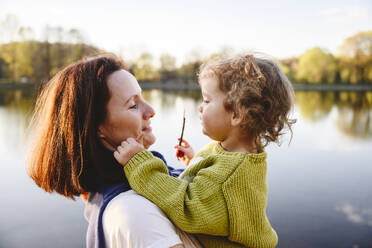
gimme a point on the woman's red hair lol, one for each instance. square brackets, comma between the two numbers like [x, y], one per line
[67, 156]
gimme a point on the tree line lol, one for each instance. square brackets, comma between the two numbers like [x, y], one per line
[352, 64]
[25, 59]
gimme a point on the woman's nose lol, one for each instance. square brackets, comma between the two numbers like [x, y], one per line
[149, 112]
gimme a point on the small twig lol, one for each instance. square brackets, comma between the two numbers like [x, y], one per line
[183, 127]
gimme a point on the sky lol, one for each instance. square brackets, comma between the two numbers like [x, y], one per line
[279, 28]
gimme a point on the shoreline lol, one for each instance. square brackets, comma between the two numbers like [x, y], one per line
[194, 86]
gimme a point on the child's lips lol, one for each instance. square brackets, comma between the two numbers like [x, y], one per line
[147, 129]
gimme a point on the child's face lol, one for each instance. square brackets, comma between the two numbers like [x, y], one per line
[216, 121]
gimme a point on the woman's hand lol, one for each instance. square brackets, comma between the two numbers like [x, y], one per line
[127, 150]
[188, 152]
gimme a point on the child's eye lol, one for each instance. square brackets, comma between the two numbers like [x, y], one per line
[205, 101]
[133, 106]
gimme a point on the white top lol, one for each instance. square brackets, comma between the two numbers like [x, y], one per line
[132, 221]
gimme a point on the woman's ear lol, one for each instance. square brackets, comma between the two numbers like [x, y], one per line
[104, 140]
[100, 132]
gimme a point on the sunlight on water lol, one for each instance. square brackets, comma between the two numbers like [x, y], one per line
[319, 185]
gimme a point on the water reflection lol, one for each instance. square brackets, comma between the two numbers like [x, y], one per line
[356, 215]
[354, 110]
[306, 182]
[16, 108]
[315, 105]
[21, 101]
[169, 98]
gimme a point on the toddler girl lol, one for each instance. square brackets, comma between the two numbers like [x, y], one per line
[222, 195]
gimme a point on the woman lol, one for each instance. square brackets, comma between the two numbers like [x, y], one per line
[81, 115]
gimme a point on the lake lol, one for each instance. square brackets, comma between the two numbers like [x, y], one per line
[320, 187]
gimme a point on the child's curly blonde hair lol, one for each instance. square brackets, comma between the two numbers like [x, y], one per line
[256, 90]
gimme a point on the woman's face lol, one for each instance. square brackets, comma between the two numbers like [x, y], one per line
[128, 115]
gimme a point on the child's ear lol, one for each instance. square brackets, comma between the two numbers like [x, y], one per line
[236, 119]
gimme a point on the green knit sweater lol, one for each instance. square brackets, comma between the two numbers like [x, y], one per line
[221, 196]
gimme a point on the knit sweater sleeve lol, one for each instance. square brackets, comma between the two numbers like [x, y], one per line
[198, 206]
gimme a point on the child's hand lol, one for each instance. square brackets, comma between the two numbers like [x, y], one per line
[127, 150]
[188, 152]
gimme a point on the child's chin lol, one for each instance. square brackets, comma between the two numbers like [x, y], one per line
[206, 133]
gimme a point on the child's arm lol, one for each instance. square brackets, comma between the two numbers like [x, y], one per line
[171, 171]
[196, 207]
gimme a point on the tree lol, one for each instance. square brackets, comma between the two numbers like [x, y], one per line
[9, 29]
[24, 66]
[357, 46]
[224, 53]
[190, 68]
[356, 58]
[143, 68]
[167, 67]
[26, 34]
[316, 66]
[2, 69]
[188, 71]
[22, 57]
[75, 37]
[289, 67]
